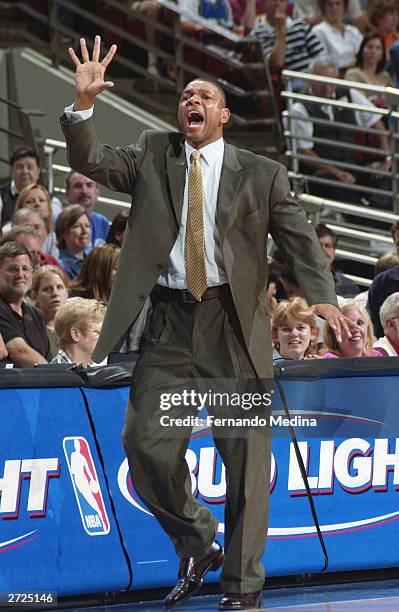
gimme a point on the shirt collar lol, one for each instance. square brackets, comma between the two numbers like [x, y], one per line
[13, 189]
[210, 153]
[394, 344]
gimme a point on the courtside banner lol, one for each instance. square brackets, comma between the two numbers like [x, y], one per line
[57, 531]
[353, 470]
[347, 429]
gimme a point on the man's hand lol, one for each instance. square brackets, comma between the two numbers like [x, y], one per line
[280, 20]
[90, 74]
[337, 321]
[345, 177]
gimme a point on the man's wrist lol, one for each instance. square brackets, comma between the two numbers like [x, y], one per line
[82, 104]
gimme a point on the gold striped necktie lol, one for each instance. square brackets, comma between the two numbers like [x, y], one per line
[197, 280]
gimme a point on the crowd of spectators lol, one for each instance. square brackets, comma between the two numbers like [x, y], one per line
[56, 257]
[51, 308]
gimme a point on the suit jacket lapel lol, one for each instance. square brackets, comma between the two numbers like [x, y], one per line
[230, 180]
[175, 163]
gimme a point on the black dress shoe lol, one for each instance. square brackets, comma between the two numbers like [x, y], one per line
[191, 573]
[242, 601]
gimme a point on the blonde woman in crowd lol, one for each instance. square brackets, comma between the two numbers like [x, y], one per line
[360, 344]
[37, 198]
[48, 292]
[294, 330]
[77, 326]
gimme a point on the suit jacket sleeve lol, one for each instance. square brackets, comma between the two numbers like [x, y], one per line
[113, 167]
[298, 242]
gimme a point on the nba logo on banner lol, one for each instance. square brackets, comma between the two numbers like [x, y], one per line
[86, 486]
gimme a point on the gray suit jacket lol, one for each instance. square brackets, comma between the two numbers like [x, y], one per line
[253, 200]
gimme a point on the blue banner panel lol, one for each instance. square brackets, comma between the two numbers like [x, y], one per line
[57, 531]
[152, 555]
[351, 455]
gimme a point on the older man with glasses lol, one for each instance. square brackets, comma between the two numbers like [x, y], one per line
[21, 325]
[389, 317]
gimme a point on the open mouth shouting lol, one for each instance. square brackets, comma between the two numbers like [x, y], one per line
[195, 119]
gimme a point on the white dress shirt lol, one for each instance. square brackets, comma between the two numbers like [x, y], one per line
[174, 275]
[303, 129]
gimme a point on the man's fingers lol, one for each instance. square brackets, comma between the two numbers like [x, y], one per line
[344, 323]
[96, 48]
[74, 57]
[340, 324]
[107, 59]
[306, 313]
[84, 51]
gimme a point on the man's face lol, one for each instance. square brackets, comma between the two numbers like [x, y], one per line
[83, 191]
[202, 114]
[34, 220]
[24, 172]
[396, 240]
[15, 277]
[328, 248]
[325, 90]
[32, 243]
[392, 326]
[271, 7]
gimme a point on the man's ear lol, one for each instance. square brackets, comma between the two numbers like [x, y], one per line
[225, 115]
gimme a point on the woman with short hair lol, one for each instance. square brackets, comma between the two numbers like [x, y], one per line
[77, 326]
[341, 40]
[73, 232]
[294, 330]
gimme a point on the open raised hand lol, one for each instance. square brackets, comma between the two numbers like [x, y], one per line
[90, 73]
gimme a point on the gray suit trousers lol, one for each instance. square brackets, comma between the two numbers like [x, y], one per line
[199, 346]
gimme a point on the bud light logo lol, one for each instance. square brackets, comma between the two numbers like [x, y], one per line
[342, 470]
[86, 486]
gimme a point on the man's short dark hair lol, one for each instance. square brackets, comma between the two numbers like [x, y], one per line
[212, 82]
[69, 176]
[24, 151]
[323, 230]
[12, 249]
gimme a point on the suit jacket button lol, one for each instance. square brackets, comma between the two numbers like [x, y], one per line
[141, 297]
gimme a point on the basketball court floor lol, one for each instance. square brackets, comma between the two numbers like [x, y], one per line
[373, 596]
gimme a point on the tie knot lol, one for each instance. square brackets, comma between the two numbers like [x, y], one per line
[195, 156]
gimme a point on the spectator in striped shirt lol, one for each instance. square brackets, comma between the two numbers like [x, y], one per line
[287, 43]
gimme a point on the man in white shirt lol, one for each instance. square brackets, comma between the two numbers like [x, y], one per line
[209, 321]
[304, 130]
[389, 317]
[24, 170]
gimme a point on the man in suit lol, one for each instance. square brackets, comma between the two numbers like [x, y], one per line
[209, 321]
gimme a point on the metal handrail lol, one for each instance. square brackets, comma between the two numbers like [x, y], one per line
[349, 209]
[181, 40]
[294, 152]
